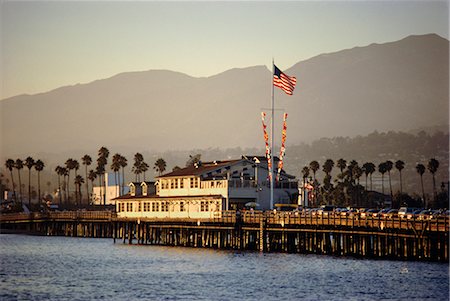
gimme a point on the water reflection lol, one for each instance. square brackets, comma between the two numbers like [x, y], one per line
[61, 268]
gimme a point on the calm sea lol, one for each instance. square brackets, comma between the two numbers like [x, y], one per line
[64, 268]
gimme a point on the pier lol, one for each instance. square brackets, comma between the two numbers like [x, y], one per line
[293, 232]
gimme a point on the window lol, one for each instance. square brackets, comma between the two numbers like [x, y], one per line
[130, 207]
[139, 207]
[194, 182]
[181, 183]
[147, 206]
[204, 206]
[155, 206]
[172, 183]
[182, 209]
[144, 189]
[121, 207]
[165, 206]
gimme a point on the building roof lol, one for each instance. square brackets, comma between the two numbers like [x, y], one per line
[206, 167]
[199, 169]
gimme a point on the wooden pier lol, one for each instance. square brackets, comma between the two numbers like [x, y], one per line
[293, 232]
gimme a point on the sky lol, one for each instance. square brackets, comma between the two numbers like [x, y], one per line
[47, 44]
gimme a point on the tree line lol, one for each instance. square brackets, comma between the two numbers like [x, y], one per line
[346, 189]
[64, 173]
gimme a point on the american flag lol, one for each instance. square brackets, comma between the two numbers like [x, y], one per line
[283, 81]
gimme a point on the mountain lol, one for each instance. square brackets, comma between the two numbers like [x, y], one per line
[401, 85]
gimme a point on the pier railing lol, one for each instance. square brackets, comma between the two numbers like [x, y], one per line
[63, 215]
[275, 219]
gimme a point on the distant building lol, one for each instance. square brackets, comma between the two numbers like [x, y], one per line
[113, 190]
[202, 190]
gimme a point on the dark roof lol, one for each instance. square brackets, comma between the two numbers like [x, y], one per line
[200, 169]
[148, 182]
[205, 167]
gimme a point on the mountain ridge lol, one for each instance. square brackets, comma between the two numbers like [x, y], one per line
[398, 85]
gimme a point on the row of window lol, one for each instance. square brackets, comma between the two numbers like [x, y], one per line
[158, 207]
[179, 183]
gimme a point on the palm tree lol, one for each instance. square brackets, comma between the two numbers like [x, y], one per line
[29, 163]
[328, 166]
[9, 164]
[137, 166]
[420, 168]
[39, 166]
[160, 166]
[400, 165]
[341, 164]
[86, 160]
[389, 166]
[19, 167]
[123, 164]
[76, 166]
[350, 169]
[433, 166]
[382, 169]
[65, 173]
[91, 176]
[357, 172]
[144, 168]
[102, 161]
[314, 166]
[368, 169]
[100, 171]
[69, 167]
[115, 166]
[78, 181]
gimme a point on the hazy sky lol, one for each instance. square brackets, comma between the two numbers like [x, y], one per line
[46, 44]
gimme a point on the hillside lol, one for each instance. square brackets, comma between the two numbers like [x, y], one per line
[395, 86]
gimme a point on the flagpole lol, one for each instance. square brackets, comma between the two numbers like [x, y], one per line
[271, 142]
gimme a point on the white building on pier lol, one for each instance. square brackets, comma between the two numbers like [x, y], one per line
[206, 188]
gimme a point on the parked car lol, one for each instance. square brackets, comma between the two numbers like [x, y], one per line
[426, 214]
[404, 211]
[384, 212]
[353, 212]
[326, 210]
[393, 213]
[342, 211]
[414, 214]
[371, 213]
[377, 213]
[313, 211]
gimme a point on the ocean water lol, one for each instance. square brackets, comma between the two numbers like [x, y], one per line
[65, 268]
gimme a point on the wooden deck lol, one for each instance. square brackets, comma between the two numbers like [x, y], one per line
[374, 237]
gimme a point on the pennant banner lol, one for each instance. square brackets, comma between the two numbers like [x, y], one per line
[282, 149]
[266, 139]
